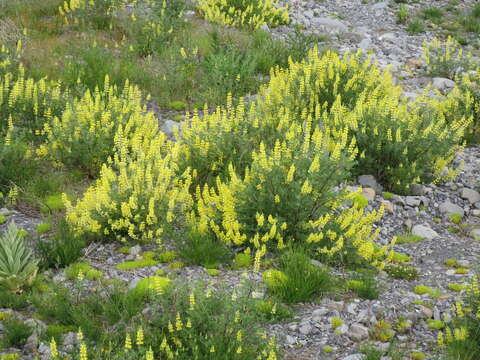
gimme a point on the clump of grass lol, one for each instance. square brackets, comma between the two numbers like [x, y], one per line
[364, 285]
[415, 27]
[300, 280]
[62, 249]
[16, 332]
[408, 239]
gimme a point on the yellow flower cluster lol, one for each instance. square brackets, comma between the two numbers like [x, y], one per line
[84, 135]
[78, 11]
[26, 103]
[138, 195]
[248, 13]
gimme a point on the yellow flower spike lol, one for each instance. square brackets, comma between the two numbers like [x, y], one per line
[53, 348]
[83, 352]
[128, 342]
[139, 337]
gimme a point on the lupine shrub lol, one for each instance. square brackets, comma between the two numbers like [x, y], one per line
[26, 104]
[461, 337]
[446, 59]
[84, 135]
[244, 13]
[295, 202]
[138, 195]
[355, 94]
[99, 13]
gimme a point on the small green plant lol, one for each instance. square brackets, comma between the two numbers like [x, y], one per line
[383, 331]
[435, 324]
[365, 285]
[242, 260]
[18, 268]
[401, 271]
[153, 284]
[298, 280]
[131, 265]
[52, 203]
[408, 239]
[415, 27]
[451, 262]
[62, 249]
[402, 14]
[176, 265]
[400, 258]
[433, 14]
[202, 249]
[166, 256]
[422, 289]
[16, 332]
[417, 355]
[44, 228]
[455, 218]
[177, 105]
[388, 195]
[461, 271]
[272, 310]
[212, 272]
[2, 219]
[336, 322]
[456, 287]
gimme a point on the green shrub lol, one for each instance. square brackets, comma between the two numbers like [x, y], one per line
[365, 285]
[166, 256]
[153, 284]
[62, 249]
[202, 249]
[415, 27]
[18, 267]
[446, 59]
[248, 13]
[299, 280]
[402, 14]
[86, 133]
[16, 332]
[44, 228]
[124, 203]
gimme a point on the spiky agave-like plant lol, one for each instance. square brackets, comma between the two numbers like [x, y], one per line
[18, 267]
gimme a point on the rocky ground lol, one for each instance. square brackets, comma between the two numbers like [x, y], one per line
[370, 26]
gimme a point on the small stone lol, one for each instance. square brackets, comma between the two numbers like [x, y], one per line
[450, 208]
[450, 272]
[412, 201]
[463, 263]
[358, 332]
[335, 305]
[32, 343]
[443, 84]
[471, 195]
[371, 182]
[424, 231]
[169, 127]
[290, 340]
[418, 190]
[330, 25]
[389, 207]
[369, 194]
[427, 312]
[135, 250]
[305, 329]
[354, 357]
[476, 212]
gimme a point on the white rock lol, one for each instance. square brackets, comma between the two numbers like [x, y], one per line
[330, 25]
[450, 208]
[424, 231]
[358, 332]
[443, 84]
[354, 357]
[471, 195]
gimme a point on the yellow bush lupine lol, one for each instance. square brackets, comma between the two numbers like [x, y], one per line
[248, 13]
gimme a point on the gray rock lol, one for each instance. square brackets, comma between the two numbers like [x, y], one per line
[365, 44]
[418, 189]
[369, 194]
[305, 329]
[32, 343]
[412, 201]
[358, 332]
[169, 127]
[450, 208]
[380, 5]
[330, 25]
[135, 250]
[443, 84]
[424, 231]
[471, 195]
[354, 357]
[475, 233]
[371, 182]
